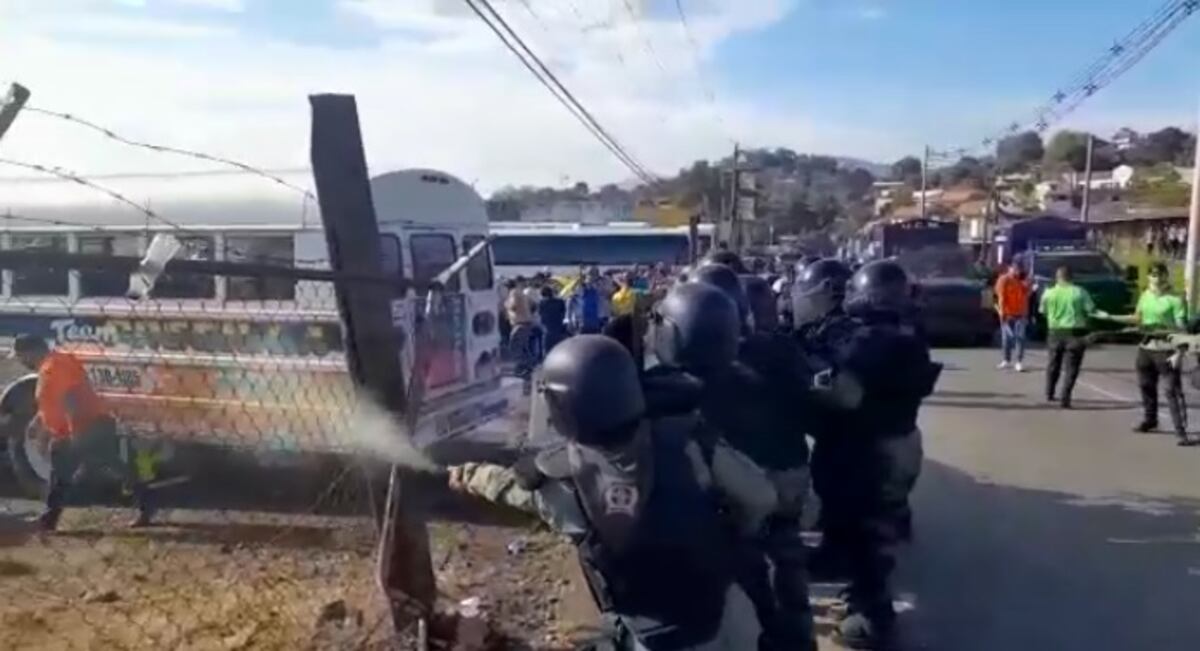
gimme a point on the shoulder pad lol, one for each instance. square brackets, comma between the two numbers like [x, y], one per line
[554, 462]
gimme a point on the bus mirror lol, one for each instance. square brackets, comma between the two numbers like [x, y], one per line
[1131, 273]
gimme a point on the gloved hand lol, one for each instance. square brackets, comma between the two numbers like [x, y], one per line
[1175, 361]
[460, 475]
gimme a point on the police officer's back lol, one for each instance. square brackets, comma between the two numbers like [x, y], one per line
[868, 454]
[754, 411]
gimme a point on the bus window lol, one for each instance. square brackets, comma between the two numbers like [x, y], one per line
[187, 285]
[39, 282]
[431, 254]
[393, 258]
[277, 250]
[608, 250]
[105, 284]
[479, 270]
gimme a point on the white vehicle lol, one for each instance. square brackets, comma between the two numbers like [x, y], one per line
[527, 248]
[256, 364]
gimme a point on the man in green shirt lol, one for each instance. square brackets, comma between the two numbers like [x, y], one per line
[1159, 313]
[1068, 309]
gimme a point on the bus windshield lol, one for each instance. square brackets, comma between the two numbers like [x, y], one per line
[608, 250]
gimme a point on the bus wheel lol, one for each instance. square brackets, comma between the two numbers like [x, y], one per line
[29, 458]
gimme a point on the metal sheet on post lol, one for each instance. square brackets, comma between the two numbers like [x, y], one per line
[372, 353]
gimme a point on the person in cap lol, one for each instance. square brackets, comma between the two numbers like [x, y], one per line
[636, 496]
[1159, 312]
[81, 430]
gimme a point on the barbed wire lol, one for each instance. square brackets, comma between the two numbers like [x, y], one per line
[1100, 73]
[694, 46]
[168, 149]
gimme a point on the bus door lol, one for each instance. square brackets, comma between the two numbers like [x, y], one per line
[446, 335]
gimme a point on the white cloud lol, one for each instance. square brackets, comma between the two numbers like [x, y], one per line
[218, 5]
[438, 90]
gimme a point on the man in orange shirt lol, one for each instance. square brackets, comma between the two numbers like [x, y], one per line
[1012, 303]
[81, 430]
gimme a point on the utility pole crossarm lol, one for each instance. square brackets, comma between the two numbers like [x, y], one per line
[14, 101]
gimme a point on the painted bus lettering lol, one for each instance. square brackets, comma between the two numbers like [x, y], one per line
[71, 331]
[114, 377]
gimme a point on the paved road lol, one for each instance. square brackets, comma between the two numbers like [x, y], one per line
[1039, 528]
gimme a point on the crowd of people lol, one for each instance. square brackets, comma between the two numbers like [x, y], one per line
[539, 312]
[1071, 314]
[683, 481]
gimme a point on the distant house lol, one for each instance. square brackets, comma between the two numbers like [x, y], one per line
[1125, 138]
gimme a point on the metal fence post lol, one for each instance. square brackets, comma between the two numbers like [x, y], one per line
[352, 233]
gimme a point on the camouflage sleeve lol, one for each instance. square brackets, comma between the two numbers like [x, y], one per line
[553, 502]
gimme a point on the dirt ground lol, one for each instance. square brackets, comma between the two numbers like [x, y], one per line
[246, 583]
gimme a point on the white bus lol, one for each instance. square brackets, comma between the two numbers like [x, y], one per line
[256, 363]
[527, 248]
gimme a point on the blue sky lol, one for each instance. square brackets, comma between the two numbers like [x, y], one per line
[925, 67]
[875, 79]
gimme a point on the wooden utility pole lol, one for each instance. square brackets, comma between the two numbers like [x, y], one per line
[1086, 209]
[14, 101]
[1193, 236]
[924, 179]
[735, 226]
[372, 344]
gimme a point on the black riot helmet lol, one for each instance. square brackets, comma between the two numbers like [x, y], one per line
[818, 290]
[761, 300]
[804, 262]
[727, 258]
[696, 329]
[880, 286]
[725, 279]
[593, 392]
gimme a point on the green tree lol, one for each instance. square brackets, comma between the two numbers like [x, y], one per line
[1068, 149]
[907, 170]
[1161, 187]
[1018, 152]
[1170, 145]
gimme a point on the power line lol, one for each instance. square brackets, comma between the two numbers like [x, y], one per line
[1117, 59]
[646, 44]
[709, 92]
[538, 69]
[183, 174]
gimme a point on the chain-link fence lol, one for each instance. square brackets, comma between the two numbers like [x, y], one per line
[234, 423]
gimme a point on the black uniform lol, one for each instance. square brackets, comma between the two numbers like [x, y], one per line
[867, 459]
[750, 396]
[655, 549]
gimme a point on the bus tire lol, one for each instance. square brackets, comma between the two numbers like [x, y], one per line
[30, 466]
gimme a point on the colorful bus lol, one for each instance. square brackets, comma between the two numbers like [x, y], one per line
[257, 363]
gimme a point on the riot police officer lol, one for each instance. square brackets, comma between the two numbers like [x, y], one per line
[753, 402]
[728, 259]
[764, 312]
[727, 280]
[634, 495]
[868, 455]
